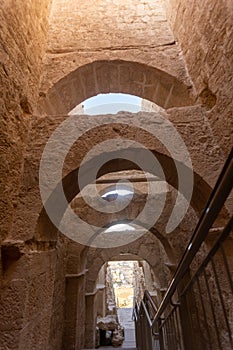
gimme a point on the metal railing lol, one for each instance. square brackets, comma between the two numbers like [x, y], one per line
[143, 316]
[201, 317]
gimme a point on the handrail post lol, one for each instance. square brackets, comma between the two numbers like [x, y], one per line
[160, 331]
[188, 323]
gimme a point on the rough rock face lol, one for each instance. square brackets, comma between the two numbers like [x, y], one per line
[22, 46]
[118, 337]
[124, 33]
[108, 323]
[205, 37]
[110, 294]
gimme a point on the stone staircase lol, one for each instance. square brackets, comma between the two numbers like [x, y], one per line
[125, 319]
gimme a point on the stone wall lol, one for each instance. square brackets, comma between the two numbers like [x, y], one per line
[84, 32]
[57, 312]
[205, 34]
[23, 27]
[73, 327]
[31, 302]
[29, 269]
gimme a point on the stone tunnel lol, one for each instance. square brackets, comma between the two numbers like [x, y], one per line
[63, 169]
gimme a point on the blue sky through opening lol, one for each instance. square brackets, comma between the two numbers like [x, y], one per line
[112, 103]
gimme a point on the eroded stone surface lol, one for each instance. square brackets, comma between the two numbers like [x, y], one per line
[23, 36]
[124, 33]
[48, 298]
[209, 57]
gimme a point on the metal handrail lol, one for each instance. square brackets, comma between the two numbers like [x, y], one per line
[224, 234]
[147, 297]
[177, 323]
[146, 313]
[215, 203]
[136, 310]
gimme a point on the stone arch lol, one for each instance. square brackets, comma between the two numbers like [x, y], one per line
[148, 248]
[46, 230]
[38, 224]
[122, 76]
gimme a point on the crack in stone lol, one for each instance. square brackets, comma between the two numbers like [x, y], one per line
[116, 48]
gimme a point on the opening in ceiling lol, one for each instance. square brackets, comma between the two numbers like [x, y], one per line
[114, 193]
[120, 228]
[113, 103]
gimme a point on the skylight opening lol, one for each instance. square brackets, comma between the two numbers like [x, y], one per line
[120, 228]
[113, 103]
[117, 192]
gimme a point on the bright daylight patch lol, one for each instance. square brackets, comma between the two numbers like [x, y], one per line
[120, 228]
[109, 104]
[119, 192]
[123, 277]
